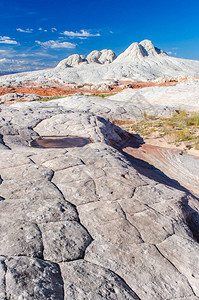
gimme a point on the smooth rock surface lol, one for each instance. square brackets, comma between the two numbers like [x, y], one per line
[184, 95]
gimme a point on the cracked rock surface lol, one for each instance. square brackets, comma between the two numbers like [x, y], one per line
[84, 223]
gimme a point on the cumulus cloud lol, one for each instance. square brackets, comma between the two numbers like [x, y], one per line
[56, 44]
[53, 29]
[7, 40]
[82, 33]
[28, 30]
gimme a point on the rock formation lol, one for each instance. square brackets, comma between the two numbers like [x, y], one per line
[139, 51]
[72, 60]
[91, 222]
[184, 95]
[99, 57]
[19, 96]
[139, 62]
[93, 57]
[107, 56]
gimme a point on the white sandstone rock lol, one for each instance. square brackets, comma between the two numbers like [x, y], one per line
[151, 50]
[93, 57]
[107, 56]
[184, 95]
[71, 61]
[140, 62]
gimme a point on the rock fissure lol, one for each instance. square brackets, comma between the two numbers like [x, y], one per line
[119, 277]
[126, 218]
[78, 220]
[191, 218]
[156, 246]
[4, 280]
[3, 143]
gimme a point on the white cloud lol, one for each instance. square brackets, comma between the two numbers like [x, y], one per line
[2, 51]
[28, 30]
[82, 33]
[53, 29]
[11, 61]
[3, 60]
[171, 53]
[56, 44]
[81, 37]
[41, 29]
[7, 40]
[18, 65]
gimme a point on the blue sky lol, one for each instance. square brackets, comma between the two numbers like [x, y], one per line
[38, 34]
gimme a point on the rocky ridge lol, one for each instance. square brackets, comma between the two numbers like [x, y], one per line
[88, 223]
[99, 57]
[140, 62]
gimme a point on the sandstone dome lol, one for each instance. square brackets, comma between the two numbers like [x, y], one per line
[139, 51]
[151, 49]
[72, 60]
[104, 56]
[107, 56]
[93, 57]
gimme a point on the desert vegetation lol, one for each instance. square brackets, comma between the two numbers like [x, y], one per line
[102, 95]
[181, 127]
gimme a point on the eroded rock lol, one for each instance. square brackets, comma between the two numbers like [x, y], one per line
[84, 280]
[28, 278]
[64, 241]
[19, 96]
[101, 229]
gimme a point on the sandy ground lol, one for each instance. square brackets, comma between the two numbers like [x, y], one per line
[157, 141]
